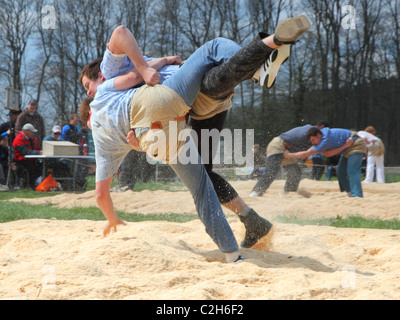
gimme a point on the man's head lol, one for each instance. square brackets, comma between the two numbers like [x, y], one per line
[29, 130]
[32, 105]
[370, 129]
[56, 132]
[314, 135]
[91, 77]
[14, 115]
[323, 124]
[74, 119]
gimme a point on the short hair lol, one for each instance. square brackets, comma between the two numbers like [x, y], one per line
[312, 132]
[84, 109]
[324, 123]
[370, 129]
[91, 70]
[72, 116]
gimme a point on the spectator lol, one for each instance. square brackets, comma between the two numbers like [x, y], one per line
[332, 163]
[3, 158]
[70, 132]
[55, 134]
[9, 126]
[60, 168]
[25, 143]
[32, 116]
[375, 156]
[318, 166]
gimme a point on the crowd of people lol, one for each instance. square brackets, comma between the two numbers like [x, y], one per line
[23, 134]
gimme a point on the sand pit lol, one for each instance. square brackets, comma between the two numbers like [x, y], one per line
[52, 259]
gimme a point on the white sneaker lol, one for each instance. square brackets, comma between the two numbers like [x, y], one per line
[233, 257]
[255, 194]
[266, 75]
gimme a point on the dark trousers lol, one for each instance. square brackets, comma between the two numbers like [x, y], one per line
[318, 168]
[224, 190]
[272, 168]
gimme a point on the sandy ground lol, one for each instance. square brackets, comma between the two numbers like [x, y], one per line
[52, 259]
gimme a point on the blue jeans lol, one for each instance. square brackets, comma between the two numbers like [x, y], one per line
[187, 80]
[187, 83]
[349, 174]
[196, 179]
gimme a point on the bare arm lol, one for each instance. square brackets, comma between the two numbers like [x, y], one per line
[332, 152]
[123, 41]
[133, 77]
[105, 204]
[300, 154]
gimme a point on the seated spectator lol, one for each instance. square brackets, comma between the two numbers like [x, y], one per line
[25, 143]
[3, 158]
[55, 134]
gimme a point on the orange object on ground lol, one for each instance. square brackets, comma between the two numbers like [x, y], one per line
[47, 184]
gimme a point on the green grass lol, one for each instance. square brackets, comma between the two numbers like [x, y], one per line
[11, 211]
[348, 222]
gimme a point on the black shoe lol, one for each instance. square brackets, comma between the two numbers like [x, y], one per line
[256, 228]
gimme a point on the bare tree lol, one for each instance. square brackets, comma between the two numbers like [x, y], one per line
[17, 20]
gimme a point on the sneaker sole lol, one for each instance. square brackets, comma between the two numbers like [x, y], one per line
[269, 71]
[265, 242]
[290, 29]
[261, 239]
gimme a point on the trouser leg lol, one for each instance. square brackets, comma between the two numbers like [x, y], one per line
[369, 175]
[341, 173]
[271, 170]
[220, 81]
[293, 177]
[223, 188]
[380, 169]
[354, 164]
[195, 178]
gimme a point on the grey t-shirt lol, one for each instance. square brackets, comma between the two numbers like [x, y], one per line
[297, 138]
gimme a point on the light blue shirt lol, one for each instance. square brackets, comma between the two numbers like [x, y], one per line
[110, 119]
[114, 65]
[332, 139]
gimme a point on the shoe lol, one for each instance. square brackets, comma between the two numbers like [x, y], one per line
[256, 228]
[239, 259]
[289, 30]
[266, 75]
[119, 189]
[255, 194]
[233, 257]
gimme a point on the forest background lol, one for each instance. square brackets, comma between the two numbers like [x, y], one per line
[345, 70]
